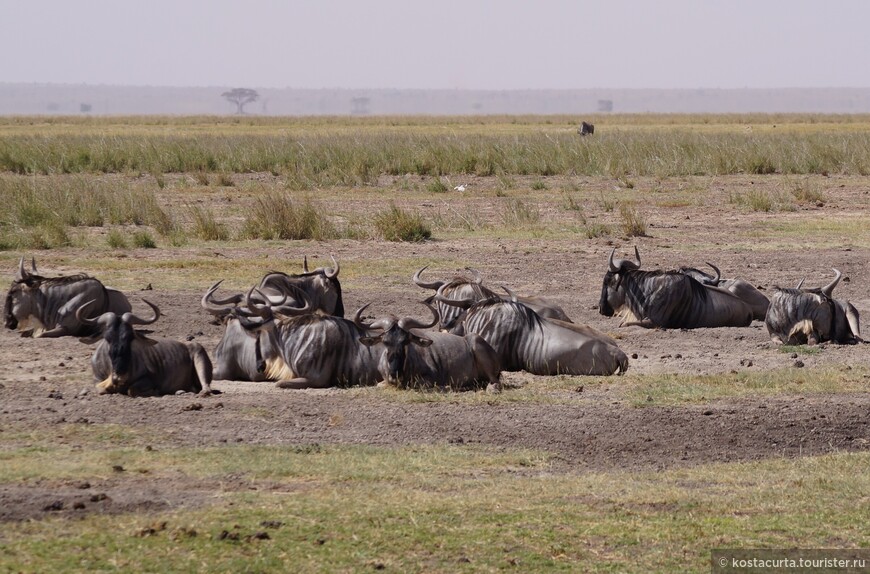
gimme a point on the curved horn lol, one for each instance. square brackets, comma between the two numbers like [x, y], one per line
[214, 306]
[33, 264]
[412, 323]
[617, 265]
[263, 310]
[435, 285]
[827, 289]
[80, 315]
[132, 319]
[357, 318]
[22, 272]
[801, 282]
[510, 294]
[462, 303]
[718, 273]
[334, 273]
[305, 264]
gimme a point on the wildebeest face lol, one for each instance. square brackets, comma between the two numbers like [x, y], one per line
[20, 304]
[396, 341]
[612, 294]
[331, 294]
[119, 335]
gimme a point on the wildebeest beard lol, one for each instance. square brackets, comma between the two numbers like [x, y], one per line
[11, 321]
[120, 337]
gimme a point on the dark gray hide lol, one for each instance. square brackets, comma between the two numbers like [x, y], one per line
[46, 306]
[321, 287]
[462, 288]
[242, 354]
[810, 316]
[667, 299]
[524, 340]
[586, 129]
[314, 350]
[130, 363]
[743, 290]
[414, 358]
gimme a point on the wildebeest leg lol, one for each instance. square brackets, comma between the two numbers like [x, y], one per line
[297, 383]
[105, 386]
[56, 332]
[144, 387]
[645, 323]
[202, 365]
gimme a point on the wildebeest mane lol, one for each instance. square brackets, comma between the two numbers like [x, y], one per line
[32, 279]
[635, 282]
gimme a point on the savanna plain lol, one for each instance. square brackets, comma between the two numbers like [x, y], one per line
[714, 438]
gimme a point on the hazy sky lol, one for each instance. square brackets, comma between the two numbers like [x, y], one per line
[467, 44]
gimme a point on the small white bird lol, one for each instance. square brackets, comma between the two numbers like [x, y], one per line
[460, 187]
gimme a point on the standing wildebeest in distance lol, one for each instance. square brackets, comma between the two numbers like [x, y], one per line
[127, 362]
[526, 341]
[667, 299]
[412, 358]
[744, 290]
[321, 287]
[798, 316]
[46, 306]
[315, 350]
[586, 129]
[464, 288]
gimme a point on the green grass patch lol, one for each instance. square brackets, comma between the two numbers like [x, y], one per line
[396, 224]
[277, 215]
[433, 509]
[674, 389]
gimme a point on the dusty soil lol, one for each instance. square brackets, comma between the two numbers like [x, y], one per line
[46, 383]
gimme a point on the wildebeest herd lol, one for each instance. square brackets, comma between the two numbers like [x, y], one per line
[291, 328]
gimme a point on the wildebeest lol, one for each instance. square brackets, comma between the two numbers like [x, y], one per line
[586, 129]
[321, 287]
[744, 290]
[464, 288]
[127, 362]
[315, 350]
[798, 316]
[667, 299]
[526, 341]
[46, 306]
[412, 358]
[241, 354]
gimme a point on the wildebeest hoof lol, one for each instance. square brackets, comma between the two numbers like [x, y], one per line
[205, 393]
[384, 385]
[26, 333]
[493, 388]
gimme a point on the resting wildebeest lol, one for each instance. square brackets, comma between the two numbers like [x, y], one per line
[321, 287]
[412, 358]
[667, 299]
[798, 316]
[241, 354]
[46, 306]
[586, 129]
[526, 341]
[744, 290]
[130, 363]
[315, 350]
[464, 288]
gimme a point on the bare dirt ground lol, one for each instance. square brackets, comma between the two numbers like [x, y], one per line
[44, 383]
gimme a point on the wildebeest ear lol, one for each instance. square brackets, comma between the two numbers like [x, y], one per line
[369, 341]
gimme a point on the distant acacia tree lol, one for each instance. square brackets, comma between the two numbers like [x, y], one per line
[240, 97]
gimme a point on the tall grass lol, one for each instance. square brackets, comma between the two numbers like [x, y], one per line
[350, 158]
[276, 215]
[396, 224]
[37, 211]
[205, 226]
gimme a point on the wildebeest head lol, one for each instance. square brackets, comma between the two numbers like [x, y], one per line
[119, 334]
[612, 290]
[21, 299]
[702, 277]
[322, 283]
[460, 288]
[396, 335]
